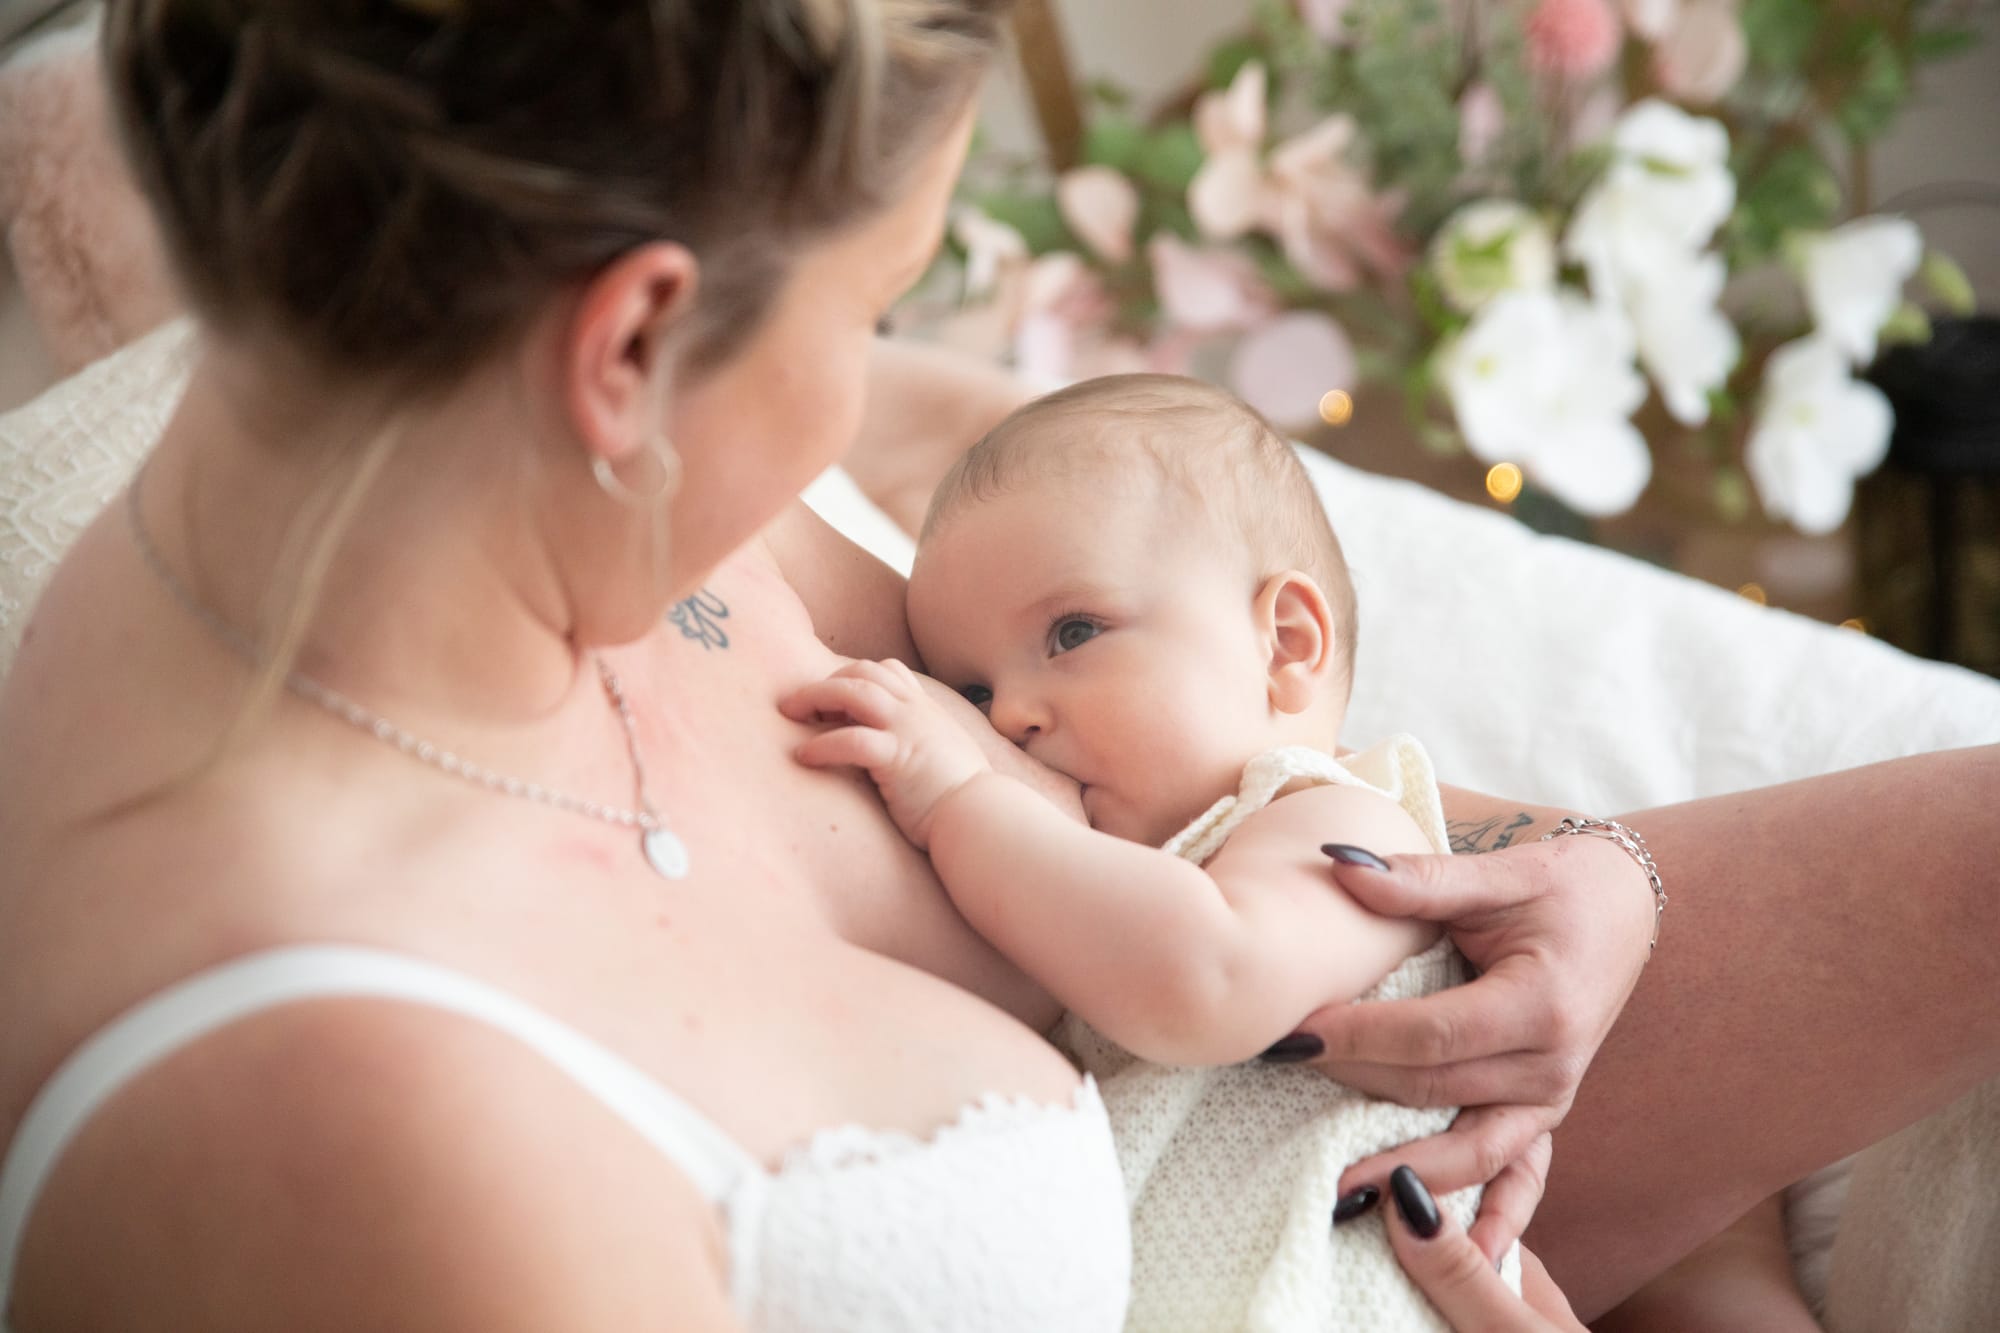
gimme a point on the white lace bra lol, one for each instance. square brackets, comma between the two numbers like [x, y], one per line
[1012, 1217]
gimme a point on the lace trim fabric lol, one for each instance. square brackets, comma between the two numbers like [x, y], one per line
[846, 1147]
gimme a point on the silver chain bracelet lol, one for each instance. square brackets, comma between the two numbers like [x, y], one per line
[1635, 846]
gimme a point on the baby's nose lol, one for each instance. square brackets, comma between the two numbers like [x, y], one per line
[1019, 719]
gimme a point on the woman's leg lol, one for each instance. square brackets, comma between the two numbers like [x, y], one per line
[1739, 1282]
[1826, 975]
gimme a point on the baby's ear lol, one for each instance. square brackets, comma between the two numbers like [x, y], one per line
[1297, 625]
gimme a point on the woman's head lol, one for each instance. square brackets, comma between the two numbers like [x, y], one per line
[689, 212]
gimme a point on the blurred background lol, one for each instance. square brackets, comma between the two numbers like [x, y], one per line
[1711, 282]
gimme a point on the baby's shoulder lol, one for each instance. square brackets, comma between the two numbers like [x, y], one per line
[1309, 814]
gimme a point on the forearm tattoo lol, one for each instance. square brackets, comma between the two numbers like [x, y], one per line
[700, 618]
[1487, 835]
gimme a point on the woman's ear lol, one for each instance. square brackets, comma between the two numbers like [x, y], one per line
[619, 349]
[1297, 625]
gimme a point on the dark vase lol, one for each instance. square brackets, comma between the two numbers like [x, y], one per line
[1929, 521]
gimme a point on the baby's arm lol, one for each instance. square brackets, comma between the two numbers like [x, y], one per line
[1178, 964]
[1175, 964]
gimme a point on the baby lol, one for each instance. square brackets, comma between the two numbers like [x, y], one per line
[1135, 581]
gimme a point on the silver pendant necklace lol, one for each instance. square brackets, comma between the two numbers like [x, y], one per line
[660, 845]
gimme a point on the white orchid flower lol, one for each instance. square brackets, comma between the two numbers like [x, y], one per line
[1854, 278]
[1489, 247]
[1667, 190]
[1685, 342]
[1818, 429]
[1545, 379]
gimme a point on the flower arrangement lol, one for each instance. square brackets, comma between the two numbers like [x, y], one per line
[1558, 226]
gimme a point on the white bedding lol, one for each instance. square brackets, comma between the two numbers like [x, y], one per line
[1530, 665]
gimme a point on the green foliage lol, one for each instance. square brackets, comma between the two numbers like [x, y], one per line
[1942, 44]
[1795, 192]
[1948, 283]
[1780, 33]
[1880, 85]
[1400, 78]
[1170, 157]
[1114, 139]
[1908, 324]
[1035, 216]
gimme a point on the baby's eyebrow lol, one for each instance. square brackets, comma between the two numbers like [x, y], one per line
[1066, 597]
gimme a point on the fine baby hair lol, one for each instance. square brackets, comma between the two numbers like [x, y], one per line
[1213, 451]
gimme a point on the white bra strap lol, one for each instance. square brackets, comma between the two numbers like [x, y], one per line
[184, 1013]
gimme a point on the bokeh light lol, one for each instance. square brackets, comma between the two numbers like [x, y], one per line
[1855, 623]
[1503, 482]
[1336, 407]
[1754, 592]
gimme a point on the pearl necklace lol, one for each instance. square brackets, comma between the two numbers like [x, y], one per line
[660, 845]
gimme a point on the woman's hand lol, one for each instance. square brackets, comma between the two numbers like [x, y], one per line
[892, 727]
[1558, 931]
[1459, 1278]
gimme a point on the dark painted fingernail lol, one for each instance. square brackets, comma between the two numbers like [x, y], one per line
[1354, 856]
[1293, 1049]
[1354, 1203]
[1415, 1203]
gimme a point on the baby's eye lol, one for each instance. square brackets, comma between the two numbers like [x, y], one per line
[1071, 632]
[977, 695]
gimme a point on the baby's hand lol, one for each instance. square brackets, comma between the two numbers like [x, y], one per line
[912, 748]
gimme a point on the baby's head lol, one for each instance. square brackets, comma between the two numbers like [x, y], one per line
[1137, 582]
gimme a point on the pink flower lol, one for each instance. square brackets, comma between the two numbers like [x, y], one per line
[1063, 304]
[1207, 291]
[1323, 213]
[1307, 195]
[1284, 368]
[1480, 120]
[1101, 207]
[992, 249]
[1226, 194]
[1704, 54]
[1573, 39]
[1326, 19]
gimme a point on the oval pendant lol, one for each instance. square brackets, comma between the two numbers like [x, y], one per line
[666, 853]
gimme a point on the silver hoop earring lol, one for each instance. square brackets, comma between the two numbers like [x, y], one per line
[669, 462]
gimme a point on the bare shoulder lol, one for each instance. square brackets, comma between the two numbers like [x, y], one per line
[359, 1163]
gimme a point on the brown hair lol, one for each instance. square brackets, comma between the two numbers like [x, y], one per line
[1214, 448]
[389, 190]
[395, 186]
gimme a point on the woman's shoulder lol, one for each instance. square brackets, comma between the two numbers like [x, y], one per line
[394, 1167]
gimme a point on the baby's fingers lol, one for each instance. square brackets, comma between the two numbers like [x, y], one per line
[840, 698]
[848, 747]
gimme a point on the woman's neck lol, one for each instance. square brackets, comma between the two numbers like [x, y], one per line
[440, 606]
